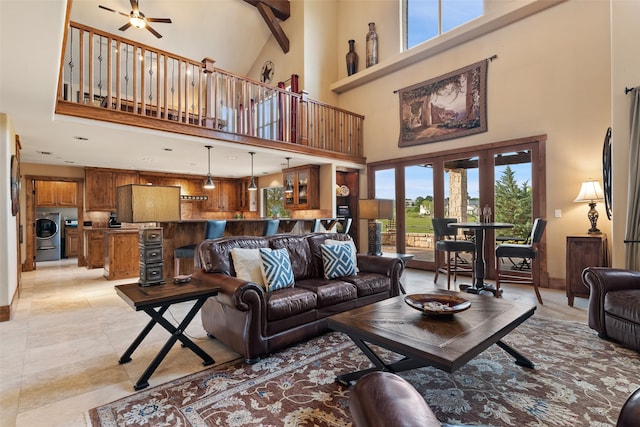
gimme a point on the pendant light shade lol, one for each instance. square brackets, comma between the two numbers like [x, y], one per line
[208, 184]
[288, 188]
[252, 185]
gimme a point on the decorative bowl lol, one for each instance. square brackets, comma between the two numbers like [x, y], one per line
[437, 304]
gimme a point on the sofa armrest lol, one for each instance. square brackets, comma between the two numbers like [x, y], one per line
[390, 267]
[601, 280]
[237, 293]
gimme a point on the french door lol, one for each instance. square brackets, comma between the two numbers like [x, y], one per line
[507, 177]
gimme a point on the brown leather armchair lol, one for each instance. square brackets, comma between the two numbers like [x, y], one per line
[383, 399]
[614, 304]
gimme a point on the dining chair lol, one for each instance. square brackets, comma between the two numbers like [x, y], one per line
[212, 230]
[447, 242]
[270, 227]
[527, 252]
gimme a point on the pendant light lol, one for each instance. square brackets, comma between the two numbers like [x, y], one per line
[208, 184]
[252, 185]
[288, 188]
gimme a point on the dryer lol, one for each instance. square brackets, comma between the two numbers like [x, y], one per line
[48, 236]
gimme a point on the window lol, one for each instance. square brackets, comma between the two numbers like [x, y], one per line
[426, 19]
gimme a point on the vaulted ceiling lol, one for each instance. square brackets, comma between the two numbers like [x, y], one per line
[232, 32]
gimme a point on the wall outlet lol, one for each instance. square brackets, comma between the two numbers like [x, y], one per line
[558, 213]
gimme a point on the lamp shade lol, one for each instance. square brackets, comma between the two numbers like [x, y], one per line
[148, 203]
[375, 208]
[590, 192]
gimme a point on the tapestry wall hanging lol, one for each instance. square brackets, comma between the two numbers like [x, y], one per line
[446, 107]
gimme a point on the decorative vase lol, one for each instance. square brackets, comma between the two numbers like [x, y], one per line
[372, 45]
[352, 59]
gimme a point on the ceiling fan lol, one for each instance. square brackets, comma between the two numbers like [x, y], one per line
[137, 18]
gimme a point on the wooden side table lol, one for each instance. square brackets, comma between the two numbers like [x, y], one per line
[155, 301]
[586, 250]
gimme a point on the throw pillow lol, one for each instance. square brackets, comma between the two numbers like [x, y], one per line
[276, 268]
[247, 263]
[346, 242]
[337, 261]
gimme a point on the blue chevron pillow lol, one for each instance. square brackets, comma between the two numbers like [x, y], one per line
[276, 268]
[337, 261]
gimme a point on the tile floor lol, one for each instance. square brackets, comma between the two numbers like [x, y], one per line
[59, 354]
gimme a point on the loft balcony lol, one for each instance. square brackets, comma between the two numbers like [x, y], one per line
[110, 78]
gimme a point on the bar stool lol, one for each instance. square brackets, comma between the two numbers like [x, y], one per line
[212, 230]
[270, 227]
[525, 251]
[453, 246]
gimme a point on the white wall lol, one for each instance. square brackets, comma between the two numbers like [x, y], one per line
[552, 76]
[8, 253]
[625, 72]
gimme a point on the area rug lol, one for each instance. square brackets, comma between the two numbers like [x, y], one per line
[579, 380]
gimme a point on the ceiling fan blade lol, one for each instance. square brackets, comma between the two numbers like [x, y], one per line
[164, 20]
[134, 5]
[114, 11]
[154, 32]
[125, 26]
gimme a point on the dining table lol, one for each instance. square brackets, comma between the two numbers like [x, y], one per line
[480, 229]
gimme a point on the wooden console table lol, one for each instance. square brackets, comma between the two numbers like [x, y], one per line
[587, 250]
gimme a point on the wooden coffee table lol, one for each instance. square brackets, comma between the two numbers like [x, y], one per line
[444, 343]
[155, 301]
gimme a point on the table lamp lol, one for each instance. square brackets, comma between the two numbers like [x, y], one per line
[590, 193]
[374, 209]
[150, 204]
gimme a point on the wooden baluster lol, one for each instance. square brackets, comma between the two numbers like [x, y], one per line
[118, 104]
[134, 64]
[82, 59]
[294, 109]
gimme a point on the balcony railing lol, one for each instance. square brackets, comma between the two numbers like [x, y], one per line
[104, 72]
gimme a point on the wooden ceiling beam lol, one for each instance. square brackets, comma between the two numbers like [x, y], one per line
[280, 8]
[274, 25]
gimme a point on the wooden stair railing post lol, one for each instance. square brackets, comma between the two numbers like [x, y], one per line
[294, 109]
[208, 70]
[281, 112]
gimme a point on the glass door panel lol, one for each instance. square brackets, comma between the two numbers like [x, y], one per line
[385, 188]
[303, 185]
[419, 211]
[513, 201]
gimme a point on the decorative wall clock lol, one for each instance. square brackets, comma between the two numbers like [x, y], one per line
[15, 185]
[266, 75]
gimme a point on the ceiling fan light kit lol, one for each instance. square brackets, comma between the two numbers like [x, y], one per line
[137, 19]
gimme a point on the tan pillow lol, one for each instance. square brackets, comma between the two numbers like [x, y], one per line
[346, 242]
[247, 264]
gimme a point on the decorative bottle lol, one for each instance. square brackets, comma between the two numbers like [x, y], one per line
[352, 59]
[486, 214]
[372, 45]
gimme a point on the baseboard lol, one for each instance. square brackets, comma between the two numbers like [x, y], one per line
[7, 310]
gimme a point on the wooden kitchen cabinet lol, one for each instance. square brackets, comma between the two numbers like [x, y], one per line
[306, 187]
[222, 198]
[121, 254]
[94, 248]
[56, 194]
[71, 242]
[588, 250]
[100, 187]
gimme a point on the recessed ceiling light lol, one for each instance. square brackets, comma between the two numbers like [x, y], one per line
[191, 164]
[146, 159]
[81, 138]
[232, 157]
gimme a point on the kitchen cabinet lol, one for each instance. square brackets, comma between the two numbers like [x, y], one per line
[222, 198]
[306, 187]
[121, 254]
[56, 193]
[588, 250]
[94, 248]
[100, 187]
[243, 197]
[71, 242]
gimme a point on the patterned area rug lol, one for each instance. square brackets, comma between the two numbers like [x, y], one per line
[579, 380]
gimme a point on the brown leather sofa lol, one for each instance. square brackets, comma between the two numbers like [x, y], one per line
[614, 304]
[254, 322]
[383, 399]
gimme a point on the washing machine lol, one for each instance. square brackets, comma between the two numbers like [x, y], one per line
[48, 236]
